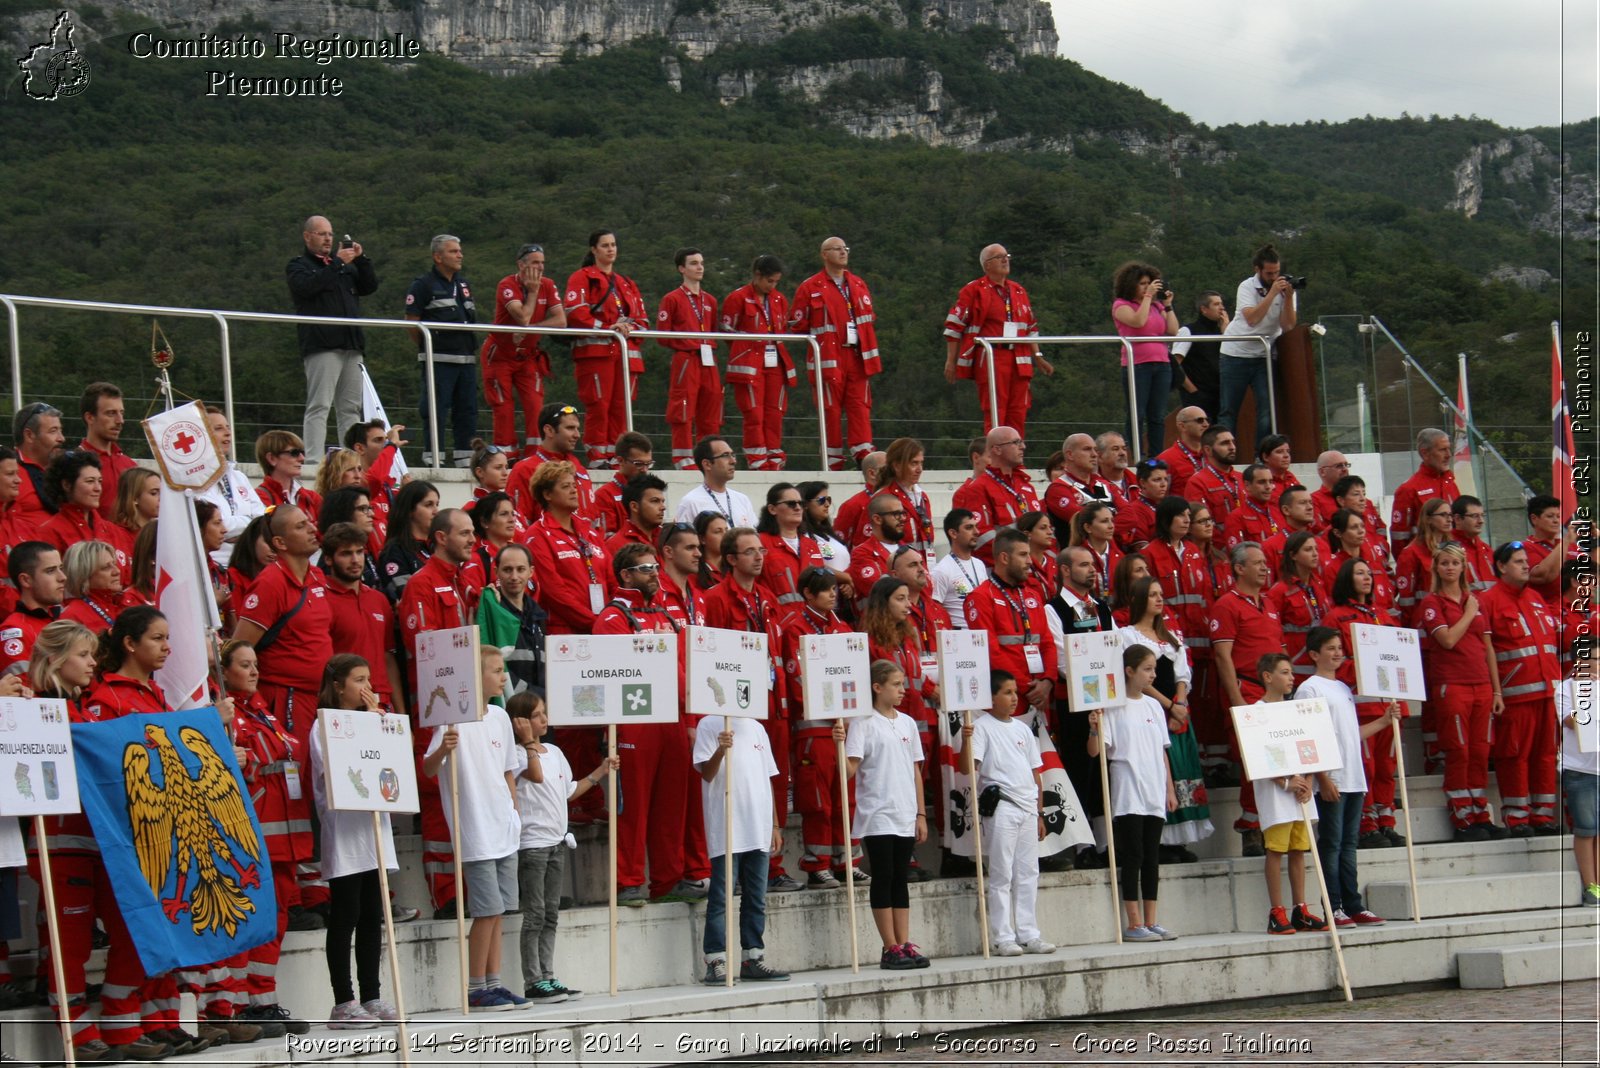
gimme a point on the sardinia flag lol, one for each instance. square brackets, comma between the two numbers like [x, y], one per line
[1463, 438]
[1561, 420]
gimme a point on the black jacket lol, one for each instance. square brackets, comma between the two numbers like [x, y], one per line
[320, 287]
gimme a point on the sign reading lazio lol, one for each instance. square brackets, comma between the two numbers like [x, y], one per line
[448, 677]
[1094, 670]
[368, 765]
[1388, 662]
[963, 658]
[37, 773]
[730, 672]
[1286, 738]
[181, 442]
[593, 680]
[835, 676]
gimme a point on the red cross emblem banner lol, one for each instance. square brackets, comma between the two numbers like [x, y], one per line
[183, 448]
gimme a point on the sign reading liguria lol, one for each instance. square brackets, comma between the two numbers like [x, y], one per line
[593, 680]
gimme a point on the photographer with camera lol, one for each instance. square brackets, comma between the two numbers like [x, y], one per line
[1265, 307]
[327, 281]
[1143, 308]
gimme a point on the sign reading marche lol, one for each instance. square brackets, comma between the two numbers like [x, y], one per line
[1094, 670]
[593, 680]
[1286, 738]
[369, 764]
[37, 775]
[448, 678]
[836, 676]
[963, 658]
[1388, 662]
[730, 672]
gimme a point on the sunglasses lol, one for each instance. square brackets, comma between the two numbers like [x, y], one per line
[788, 504]
[528, 249]
[824, 500]
[644, 569]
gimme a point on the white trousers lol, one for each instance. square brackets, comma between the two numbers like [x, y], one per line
[1011, 873]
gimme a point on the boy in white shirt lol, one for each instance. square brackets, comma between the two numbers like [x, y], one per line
[1342, 790]
[1284, 833]
[754, 836]
[488, 829]
[1580, 771]
[1007, 758]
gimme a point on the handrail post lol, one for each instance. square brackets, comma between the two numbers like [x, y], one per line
[227, 383]
[1133, 405]
[627, 382]
[822, 418]
[1272, 390]
[16, 353]
[994, 392]
[431, 399]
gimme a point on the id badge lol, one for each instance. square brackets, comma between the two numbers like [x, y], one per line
[291, 780]
[1035, 659]
[769, 356]
[706, 357]
[850, 337]
[1013, 330]
[597, 598]
[930, 668]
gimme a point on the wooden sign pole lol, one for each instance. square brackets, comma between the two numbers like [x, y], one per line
[47, 883]
[849, 854]
[727, 855]
[1327, 902]
[1111, 838]
[461, 897]
[977, 830]
[388, 933]
[1405, 806]
[611, 845]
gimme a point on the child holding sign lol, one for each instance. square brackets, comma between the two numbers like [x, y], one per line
[1136, 740]
[1284, 833]
[1580, 771]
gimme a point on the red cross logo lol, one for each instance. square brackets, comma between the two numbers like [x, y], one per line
[184, 441]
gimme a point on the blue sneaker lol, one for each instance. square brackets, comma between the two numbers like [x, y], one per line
[517, 1000]
[1140, 934]
[489, 999]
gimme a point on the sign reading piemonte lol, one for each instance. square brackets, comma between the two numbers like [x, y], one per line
[836, 676]
[1388, 662]
[368, 764]
[37, 773]
[448, 677]
[184, 450]
[593, 680]
[730, 672]
[1286, 738]
[1094, 670]
[963, 658]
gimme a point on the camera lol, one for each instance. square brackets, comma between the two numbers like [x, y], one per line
[348, 243]
[1295, 283]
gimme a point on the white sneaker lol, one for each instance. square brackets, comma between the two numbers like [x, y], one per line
[350, 1016]
[1038, 945]
[380, 1009]
[1008, 949]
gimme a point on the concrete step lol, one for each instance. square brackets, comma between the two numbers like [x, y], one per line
[1477, 894]
[1530, 964]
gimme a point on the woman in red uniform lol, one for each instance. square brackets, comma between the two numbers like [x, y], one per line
[1413, 569]
[598, 297]
[1352, 603]
[1042, 567]
[139, 585]
[94, 585]
[902, 476]
[711, 527]
[790, 551]
[1215, 726]
[252, 554]
[495, 522]
[569, 559]
[72, 482]
[1300, 596]
[1130, 569]
[1347, 538]
[1094, 526]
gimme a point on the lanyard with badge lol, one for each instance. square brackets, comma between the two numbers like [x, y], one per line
[1011, 327]
[756, 613]
[597, 591]
[706, 357]
[769, 354]
[289, 766]
[1021, 504]
[1030, 641]
[851, 338]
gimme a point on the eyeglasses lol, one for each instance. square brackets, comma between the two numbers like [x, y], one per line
[644, 569]
[998, 256]
[528, 249]
[789, 504]
[1018, 441]
[1471, 515]
[367, 508]
[838, 248]
[754, 550]
[1335, 467]
[641, 465]
[901, 514]
[722, 456]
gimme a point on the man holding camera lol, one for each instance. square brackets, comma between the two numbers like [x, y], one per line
[326, 281]
[1264, 308]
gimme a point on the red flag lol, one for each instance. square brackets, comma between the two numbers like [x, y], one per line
[1561, 421]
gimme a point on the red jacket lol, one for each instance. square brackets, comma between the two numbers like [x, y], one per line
[595, 299]
[847, 521]
[574, 570]
[74, 523]
[112, 696]
[869, 561]
[1322, 498]
[688, 313]
[1374, 553]
[97, 609]
[688, 604]
[1251, 522]
[1413, 575]
[781, 572]
[1222, 492]
[269, 749]
[997, 500]
[630, 534]
[1341, 618]
[921, 692]
[823, 309]
[797, 627]
[1480, 562]
[609, 511]
[1186, 589]
[1300, 606]
[382, 485]
[1015, 620]
[747, 312]
[983, 309]
[18, 632]
[1523, 630]
[1066, 497]
[1413, 493]
[272, 493]
[519, 481]
[506, 346]
[918, 522]
[433, 600]
[1136, 523]
[1182, 463]
[114, 463]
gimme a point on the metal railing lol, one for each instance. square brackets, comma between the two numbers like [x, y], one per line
[1135, 422]
[222, 318]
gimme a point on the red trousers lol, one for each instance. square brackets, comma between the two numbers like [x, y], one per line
[219, 989]
[763, 400]
[849, 395]
[261, 964]
[654, 779]
[694, 405]
[816, 795]
[1462, 716]
[605, 415]
[1013, 393]
[1525, 762]
[507, 383]
[1377, 760]
[777, 728]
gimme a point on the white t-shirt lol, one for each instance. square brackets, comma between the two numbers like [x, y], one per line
[834, 553]
[887, 783]
[1250, 294]
[1007, 754]
[1349, 778]
[348, 847]
[1175, 653]
[1580, 696]
[729, 503]
[489, 827]
[953, 579]
[753, 769]
[542, 806]
[1275, 805]
[12, 852]
[1136, 740]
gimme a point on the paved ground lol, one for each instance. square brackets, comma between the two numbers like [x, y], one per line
[1542, 1025]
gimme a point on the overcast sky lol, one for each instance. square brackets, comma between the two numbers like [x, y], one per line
[1223, 61]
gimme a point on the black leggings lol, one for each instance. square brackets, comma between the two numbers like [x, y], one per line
[1138, 854]
[889, 857]
[354, 907]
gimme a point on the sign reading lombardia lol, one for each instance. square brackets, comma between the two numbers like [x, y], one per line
[448, 677]
[836, 675]
[963, 658]
[37, 774]
[1286, 738]
[1388, 662]
[368, 765]
[1094, 670]
[730, 672]
[593, 680]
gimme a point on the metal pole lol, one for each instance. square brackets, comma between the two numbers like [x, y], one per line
[1272, 389]
[430, 396]
[1133, 404]
[822, 419]
[1363, 422]
[994, 397]
[16, 353]
[227, 382]
[627, 383]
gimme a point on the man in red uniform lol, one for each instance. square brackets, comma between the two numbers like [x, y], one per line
[1111, 464]
[740, 602]
[1217, 484]
[102, 418]
[1257, 518]
[435, 600]
[655, 756]
[645, 499]
[514, 365]
[873, 556]
[1298, 513]
[1077, 485]
[1013, 612]
[835, 307]
[1002, 493]
[1434, 478]
[635, 456]
[1183, 459]
[1466, 517]
[679, 557]
[994, 306]
[41, 585]
[1523, 630]
[36, 429]
[694, 389]
[1244, 627]
[760, 373]
[1334, 494]
[599, 297]
[363, 620]
[1547, 545]
[561, 428]
[850, 519]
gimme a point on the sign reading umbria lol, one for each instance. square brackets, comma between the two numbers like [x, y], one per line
[593, 680]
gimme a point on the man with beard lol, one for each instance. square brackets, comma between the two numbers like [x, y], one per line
[1217, 484]
[1079, 608]
[873, 557]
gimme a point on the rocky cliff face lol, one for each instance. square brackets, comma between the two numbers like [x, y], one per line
[1519, 176]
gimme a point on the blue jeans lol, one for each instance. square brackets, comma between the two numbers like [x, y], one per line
[456, 386]
[750, 869]
[1151, 383]
[1338, 828]
[1237, 374]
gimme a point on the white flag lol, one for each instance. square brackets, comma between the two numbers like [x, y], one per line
[372, 408]
[182, 445]
[185, 597]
